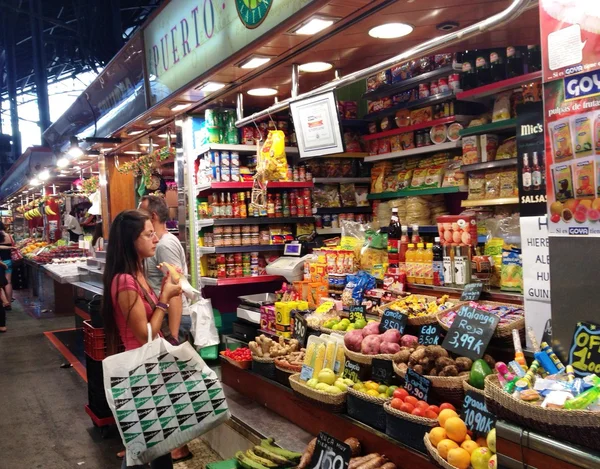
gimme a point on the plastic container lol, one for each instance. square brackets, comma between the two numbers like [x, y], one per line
[314, 358]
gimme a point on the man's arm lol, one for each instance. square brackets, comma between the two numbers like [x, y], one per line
[168, 253]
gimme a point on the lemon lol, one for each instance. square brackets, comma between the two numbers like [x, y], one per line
[382, 389]
[373, 392]
[372, 386]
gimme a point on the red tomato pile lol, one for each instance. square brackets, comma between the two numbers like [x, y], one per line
[241, 354]
[404, 402]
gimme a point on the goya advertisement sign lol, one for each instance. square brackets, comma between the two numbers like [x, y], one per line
[190, 37]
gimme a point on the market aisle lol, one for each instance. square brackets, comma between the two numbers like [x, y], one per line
[42, 418]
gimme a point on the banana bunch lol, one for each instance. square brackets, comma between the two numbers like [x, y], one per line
[48, 210]
[267, 456]
[31, 214]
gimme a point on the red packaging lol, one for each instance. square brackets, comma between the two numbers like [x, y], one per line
[423, 90]
[248, 135]
[457, 230]
[433, 88]
[454, 82]
[350, 109]
[443, 85]
[385, 146]
[374, 147]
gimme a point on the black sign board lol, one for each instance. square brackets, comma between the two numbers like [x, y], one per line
[430, 334]
[300, 331]
[330, 453]
[417, 385]
[476, 415]
[351, 370]
[470, 332]
[393, 320]
[471, 292]
[382, 371]
[584, 353]
[357, 312]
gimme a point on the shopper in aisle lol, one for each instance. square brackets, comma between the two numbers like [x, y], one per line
[133, 304]
[170, 250]
[71, 224]
[3, 285]
[97, 239]
[7, 244]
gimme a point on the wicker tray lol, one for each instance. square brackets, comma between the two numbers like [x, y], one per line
[244, 365]
[418, 320]
[264, 367]
[331, 402]
[444, 388]
[367, 409]
[282, 375]
[365, 359]
[324, 330]
[468, 387]
[433, 452]
[577, 426]
[407, 428]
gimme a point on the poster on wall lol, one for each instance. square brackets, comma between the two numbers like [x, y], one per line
[570, 32]
[572, 124]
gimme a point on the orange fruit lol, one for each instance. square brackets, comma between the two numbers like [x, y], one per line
[468, 437]
[456, 429]
[469, 445]
[445, 415]
[436, 435]
[460, 458]
[446, 445]
[481, 442]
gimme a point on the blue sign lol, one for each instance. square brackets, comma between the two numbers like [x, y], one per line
[582, 85]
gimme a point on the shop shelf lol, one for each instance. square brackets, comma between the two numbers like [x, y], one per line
[430, 101]
[203, 223]
[415, 192]
[328, 231]
[481, 203]
[329, 210]
[351, 154]
[423, 229]
[484, 92]
[206, 250]
[492, 294]
[253, 248]
[354, 123]
[500, 126]
[395, 88]
[249, 185]
[221, 282]
[411, 128]
[262, 221]
[488, 165]
[342, 180]
[238, 148]
[414, 151]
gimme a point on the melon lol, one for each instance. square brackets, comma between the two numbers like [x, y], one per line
[567, 215]
[580, 216]
[587, 203]
[593, 215]
[571, 204]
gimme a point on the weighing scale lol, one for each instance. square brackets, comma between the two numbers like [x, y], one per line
[291, 264]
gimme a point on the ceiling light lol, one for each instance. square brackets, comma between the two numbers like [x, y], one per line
[75, 150]
[179, 106]
[211, 86]
[34, 181]
[254, 61]
[44, 175]
[315, 67]
[173, 136]
[62, 162]
[314, 25]
[147, 144]
[262, 92]
[155, 120]
[134, 132]
[390, 30]
[132, 152]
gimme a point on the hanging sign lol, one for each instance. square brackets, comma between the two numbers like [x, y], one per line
[430, 334]
[330, 453]
[584, 354]
[470, 332]
[476, 415]
[391, 319]
[471, 292]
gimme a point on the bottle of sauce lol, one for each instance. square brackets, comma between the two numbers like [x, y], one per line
[235, 207]
[438, 263]
[526, 173]
[404, 240]
[415, 239]
[394, 236]
[215, 208]
[514, 62]
[285, 205]
[410, 263]
[419, 261]
[270, 206]
[251, 209]
[534, 58]
[307, 203]
[497, 65]
[228, 207]
[468, 77]
[536, 174]
[448, 261]
[222, 206]
[278, 206]
[242, 204]
[482, 68]
[293, 204]
[428, 265]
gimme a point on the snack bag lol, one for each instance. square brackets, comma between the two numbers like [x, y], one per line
[512, 269]
[273, 156]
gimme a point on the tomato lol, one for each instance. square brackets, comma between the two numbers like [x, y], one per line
[418, 412]
[401, 393]
[396, 403]
[435, 409]
[430, 414]
[447, 405]
[422, 405]
[406, 408]
[411, 400]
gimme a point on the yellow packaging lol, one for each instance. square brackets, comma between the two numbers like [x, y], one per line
[562, 143]
[283, 319]
[273, 157]
[583, 135]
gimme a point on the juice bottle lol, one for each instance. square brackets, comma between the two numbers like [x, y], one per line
[404, 240]
[419, 264]
[428, 265]
[410, 263]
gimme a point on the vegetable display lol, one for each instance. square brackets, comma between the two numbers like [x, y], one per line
[265, 347]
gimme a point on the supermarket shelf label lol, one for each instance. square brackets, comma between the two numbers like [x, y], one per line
[300, 331]
[472, 291]
[352, 370]
[393, 320]
[470, 332]
[584, 354]
[417, 385]
[476, 415]
[430, 334]
[330, 453]
[357, 312]
[382, 371]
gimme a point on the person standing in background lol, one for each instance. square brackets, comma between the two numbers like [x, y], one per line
[7, 244]
[71, 224]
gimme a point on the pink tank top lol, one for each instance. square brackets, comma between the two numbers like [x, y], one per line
[124, 282]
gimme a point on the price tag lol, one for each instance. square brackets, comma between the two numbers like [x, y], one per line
[330, 453]
[470, 332]
[300, 331]
[430, 334]
[475, 414]
[472, 292]
[351, 370]
[392, 320]
[416, 385]
[584, 353]
[357, 312]
[306, 373]
[382, 371]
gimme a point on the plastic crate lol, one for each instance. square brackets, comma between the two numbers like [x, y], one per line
[94, 341]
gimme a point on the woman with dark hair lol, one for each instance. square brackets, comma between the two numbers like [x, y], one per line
[132, 304]
[7, 244]
[97, 239]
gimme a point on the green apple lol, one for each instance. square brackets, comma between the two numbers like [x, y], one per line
[382, 389]
[333, 390]
[345, 321]
[351, 327]
[360, 324]
[348, 382]
[390, 391]
[311, 383]
[327, 376]
[341, 386]
[322, 387]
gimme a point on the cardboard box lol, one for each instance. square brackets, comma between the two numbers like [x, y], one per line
[471, 150]
[488, 143]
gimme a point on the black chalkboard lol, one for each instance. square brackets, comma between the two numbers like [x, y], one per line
[430, 334]
[476, 415]
[382, 371]
[470, 332]
[352, 370]
[471, 292]
[584, 353]
[393, 320]
[330, 453]
[300, 331]
[417, 385]
[357, 312]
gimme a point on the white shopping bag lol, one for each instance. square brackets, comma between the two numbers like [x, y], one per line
[204, 331]
[162, 396]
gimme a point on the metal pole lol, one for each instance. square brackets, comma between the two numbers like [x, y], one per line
[11, 82]
[39, 63]
[240, 106]
[514, 10]
[295, 80]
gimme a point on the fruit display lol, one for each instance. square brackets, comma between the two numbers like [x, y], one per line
[369, 461]
[404, 402]
[325, 352]
[327, 381]
[265, 347]
[417, 306]
[267, 456]
[343, 325]
[372, 388]
[479, 370]
[292, 361]
[369, 341]
[32, 247]
[60, 255]
[452, 442]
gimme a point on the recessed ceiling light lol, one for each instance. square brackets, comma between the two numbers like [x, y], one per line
[211, 86]
[254, 61]
[314, 25]
[262, 92]
[44, 175]
[132, 152]
[34, 181]
[62, 162]
[134, 132]
[179, 106]
[155, 120]
[315, 67]
[390, 30]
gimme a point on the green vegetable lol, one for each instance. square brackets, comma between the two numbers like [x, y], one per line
[291, 455]
[479, 370]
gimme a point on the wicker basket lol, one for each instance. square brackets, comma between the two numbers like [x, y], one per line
[406, 428]
[330, 402]
[367, 409]
[244, 365]
[577, 426]
[365, 359]
[417, 320]
[264, 367]
[443, 388]
[331, 331]
[433, 452]
[283, 373]
[468, 387]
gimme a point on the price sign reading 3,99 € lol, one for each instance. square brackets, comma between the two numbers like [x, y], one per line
[470, 332]
[330, 453]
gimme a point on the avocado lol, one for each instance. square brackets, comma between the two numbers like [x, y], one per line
[479, 370]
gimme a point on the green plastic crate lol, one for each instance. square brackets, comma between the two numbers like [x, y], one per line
[227, 464]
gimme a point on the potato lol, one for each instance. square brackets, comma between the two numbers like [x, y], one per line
[402, 367]
[436, 351]
[464, 363]
[418, 369]
[490, 361]
[416, 356]
[402, 356]
[443, 362]
[449, 371]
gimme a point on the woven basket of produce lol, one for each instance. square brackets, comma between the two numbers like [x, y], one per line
[366, 409]
[407, 428]
[287, 366]
[264, 367]
[577, 426]
[420, 309]
[365, 359]
[330, 402]
[265, 350]
[325, 330]
[433, 452]
[243, 364]
[468, 387]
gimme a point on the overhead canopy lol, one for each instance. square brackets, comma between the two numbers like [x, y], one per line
[20, 173]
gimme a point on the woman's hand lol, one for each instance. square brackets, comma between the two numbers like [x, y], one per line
[169, 289]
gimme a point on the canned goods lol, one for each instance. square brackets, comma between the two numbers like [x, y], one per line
[220, 258]
[433, 88]
[423, 90]
[443, 85]
[229, 259]
[230, 268]
[454, 82]
[209, 240]
[221, 271]
[246, 257]
[236, 239]
[254, 228]
[246, 271]
[254, 239]
[254, 271]
[217, 240]
[237, 257]
[227, 229]
[254, 255]
[246, 229]
[335, 221]
[301, 173]
[226, 159]
[318, 221]
[218, 230]
[235, 159]
[326, 221]
[239, 271]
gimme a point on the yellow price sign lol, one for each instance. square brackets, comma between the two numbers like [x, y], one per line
[584, 354]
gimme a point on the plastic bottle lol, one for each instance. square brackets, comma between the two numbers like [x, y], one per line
[278, 206]
[585, 398]
[404, 240]
[228, 207]
[448, 261]
[243, 207]
[416, 239]
[270, 206]
[428, 264]
[235, 207]
[419, 264]
[438, 263]
[410, 263]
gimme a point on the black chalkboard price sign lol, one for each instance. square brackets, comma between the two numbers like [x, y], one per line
[351, 371]
[471, 292]
[300, 332]
[356, 312]
[330, 453]
[430, 334]
[476, 415]
[584, 353]
[393, 320]
[416, 385]
[470, 332]
[382, 371]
